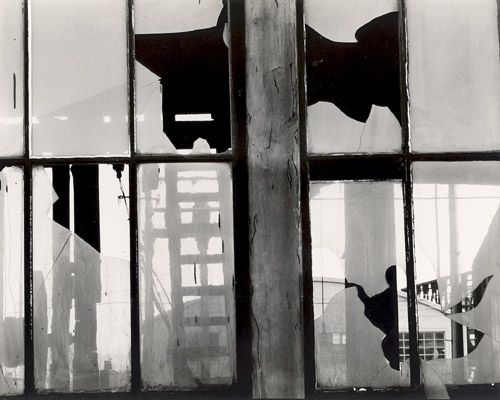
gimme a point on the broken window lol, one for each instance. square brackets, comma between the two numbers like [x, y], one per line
[182, 76]
[81, 278]
[11, 281]
[138, 291]
[11, 78]
[84, 337]
[186, 275]
[447, 235]
[358, 273]
[457, 238]
[79, 78]
[352, 57]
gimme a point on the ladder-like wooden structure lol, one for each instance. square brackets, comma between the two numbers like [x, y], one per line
[195, 204]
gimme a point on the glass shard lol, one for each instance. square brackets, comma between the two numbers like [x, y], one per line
[82, 290]
[433, 384]
[79, 78]
[182, 77]
[457, 225]
[352, 57]
[484, 317]
[187, 275]
[11, 281]
[11, 78]
[359, 308]
[456, 207]
[478, 367]
[454, 75]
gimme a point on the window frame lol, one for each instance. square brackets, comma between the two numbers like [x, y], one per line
[236, 160]
[373, 167]
[379, 166]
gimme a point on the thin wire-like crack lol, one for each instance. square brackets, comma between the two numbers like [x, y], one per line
[361, 138]
[54, 263]
[4, 378]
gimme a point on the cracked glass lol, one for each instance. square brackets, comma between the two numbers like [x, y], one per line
[186, 276]
[81, 271]
[457, 226]
[11, 281]
[352, 60]
[79, 78]
[182, 77]
[358, 260]
[454, 75]
[11, 78]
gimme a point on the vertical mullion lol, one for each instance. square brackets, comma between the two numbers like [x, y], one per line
[308, 306]
[410, 275]
[408, 199]
[403, 78]
[29, 361]
[135, 351]
[240, 197]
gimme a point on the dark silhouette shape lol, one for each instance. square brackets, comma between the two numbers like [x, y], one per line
[194, 71]
[355, 76]
[382, 311]
[474, 299]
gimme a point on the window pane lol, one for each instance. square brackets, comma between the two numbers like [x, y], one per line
[182, 76]
[81, 274]
[11, 78]
[352, 57]
[358, 272]
[11, 281]
[186, 278]
[457, 230]
[454, 75]
[79, 77]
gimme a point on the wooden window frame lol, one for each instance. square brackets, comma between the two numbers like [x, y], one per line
[374, 167]
[312, 167]
[237, 162]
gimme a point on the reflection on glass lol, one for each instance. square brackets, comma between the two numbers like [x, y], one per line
[457, 230]
[81, 275]
[186, 278]
[359, 307]
[352, 58]
[11, 281]
[11, 78]
[454, 75]
[79, 77]
[182, 76]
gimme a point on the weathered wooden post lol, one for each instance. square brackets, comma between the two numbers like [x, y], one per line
[274, 194]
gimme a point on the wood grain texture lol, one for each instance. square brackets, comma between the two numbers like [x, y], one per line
[274, 194]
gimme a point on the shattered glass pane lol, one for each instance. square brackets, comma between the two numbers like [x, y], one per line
[182, 76]
[79, 78]
[11, 281]
[81, 275]
[186, 276]
[11, 78]
[454, 75]
[352, 57]
[457, 226]
[481, 366]
[457, 232]
[358, 273]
